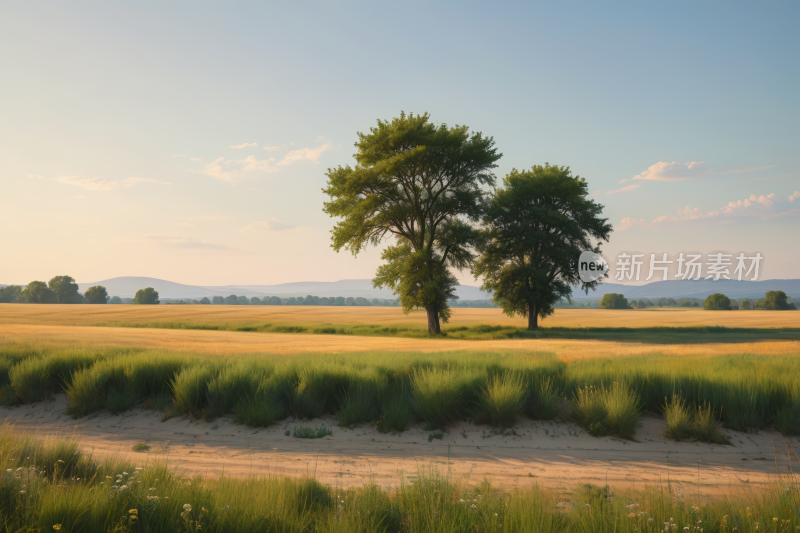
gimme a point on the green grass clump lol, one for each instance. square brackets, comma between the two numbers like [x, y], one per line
[787, 419]
[502, 399]
[613, 410]
[438, 434]
[306, 432]
[261, 410]
[543, 400]
[440, 396]
[140, 447]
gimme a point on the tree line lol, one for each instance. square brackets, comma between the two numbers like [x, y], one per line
[773, 300]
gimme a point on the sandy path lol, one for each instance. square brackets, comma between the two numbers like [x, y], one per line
[231, 342]
[554, 454]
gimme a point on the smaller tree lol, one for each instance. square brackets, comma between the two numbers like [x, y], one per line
[232, 300]
[115, 300]
[761, 303]
[11, 294]
[96, 295]
[147, 296]
[745, 304]
[218, 300]
[243, 300]
[717, 302]
[255, 300]
[37, 292]
[66, 290]
[205, 300]
[777, 301]
[613, 300]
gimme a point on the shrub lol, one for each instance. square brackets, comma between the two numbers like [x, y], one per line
[607, 411]
[118, 401]
[261, 409]
[438, 396]
[542, 400]
[613, 300]
[717, 302]
[396, 412]
[361, 403]
[680, 425]
[140, 447]
[787, 419]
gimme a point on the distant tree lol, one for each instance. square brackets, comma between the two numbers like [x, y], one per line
[761, 303]
[243, 300]
[217, 300]
[536, 227]
[340, 300]
[232, 300]
[375, 302]
[717, 302]
[204, 301]
[148, 296]
[37, 292]
[633, 304]
[641, 304]
[65, 289]
[255, 300]
[115, 300]
[613, 300]
[777, 301]
[96, 295]
[734, 305]
[11, 294]
[275, 300]
[746, 304]
[292, 301]
[671, 302]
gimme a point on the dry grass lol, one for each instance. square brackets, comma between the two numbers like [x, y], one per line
[229, 343]
[110, 315]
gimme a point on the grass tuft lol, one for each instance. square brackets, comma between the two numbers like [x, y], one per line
[306, 432]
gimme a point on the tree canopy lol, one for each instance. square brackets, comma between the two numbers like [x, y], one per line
[96, 295]
[37, 292]
[717, 302]
[11, 294]
[778, 301]
[148, 296]
[66, 290]
[419, 184]
[612, 300]
[536, 227]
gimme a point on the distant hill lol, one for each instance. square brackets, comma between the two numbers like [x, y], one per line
[127, 286]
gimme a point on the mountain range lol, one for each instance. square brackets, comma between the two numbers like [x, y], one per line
[127, 286]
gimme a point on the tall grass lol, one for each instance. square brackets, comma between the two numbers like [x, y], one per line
[50, 486]
[744, 392]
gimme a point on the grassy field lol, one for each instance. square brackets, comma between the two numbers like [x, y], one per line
[51, 486]
[652, 326]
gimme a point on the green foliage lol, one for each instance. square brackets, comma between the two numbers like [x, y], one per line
[140, 447]
[787, 418]
[37, 292]
[11, 294]
[205, 301]
[307, 432]
[613, 410]
[777, 301]
[682, 424]
[543, 398]
[148, 296]
[502, 399]
[96, 295]
[535, 229]
[261, 409]
[416, 182]
[438, 434]
[438, 395]
[746, 304]
[66, 290]
[717, 302]
[115, 300]
[613, 300]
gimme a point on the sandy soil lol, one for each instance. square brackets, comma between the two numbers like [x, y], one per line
[231, 343]
[554, 454]
[107, 315]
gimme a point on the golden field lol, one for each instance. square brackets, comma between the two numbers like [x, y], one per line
[110, 315]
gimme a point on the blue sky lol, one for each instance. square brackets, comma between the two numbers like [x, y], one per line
[189, 140]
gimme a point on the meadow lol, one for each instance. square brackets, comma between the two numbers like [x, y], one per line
[50, 485]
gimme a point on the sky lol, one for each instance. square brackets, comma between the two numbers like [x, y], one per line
[189, 141]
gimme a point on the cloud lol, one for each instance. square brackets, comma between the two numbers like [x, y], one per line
[274, 148]
[663, 171]
[233, 169]
[212, 217]
[627, 188]
[763, 207]
[310, 154]
[271, 224]
[100, 184]
[181, 243]
[245, 145]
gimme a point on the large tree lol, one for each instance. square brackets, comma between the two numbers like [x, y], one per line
[96, 295]
[37, 292]
[66, 290]
[419, 184]
[536, 227]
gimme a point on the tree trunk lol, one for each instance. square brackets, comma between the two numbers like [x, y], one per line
[533, 317]
[433, 320]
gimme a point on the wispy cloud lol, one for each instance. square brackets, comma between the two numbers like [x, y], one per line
[274, 148]
[101, 184]
[233, 169]
[271, 224]
[245, 145]
[181, 243]
[763, 207]
[663, 171]
[627, 188]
